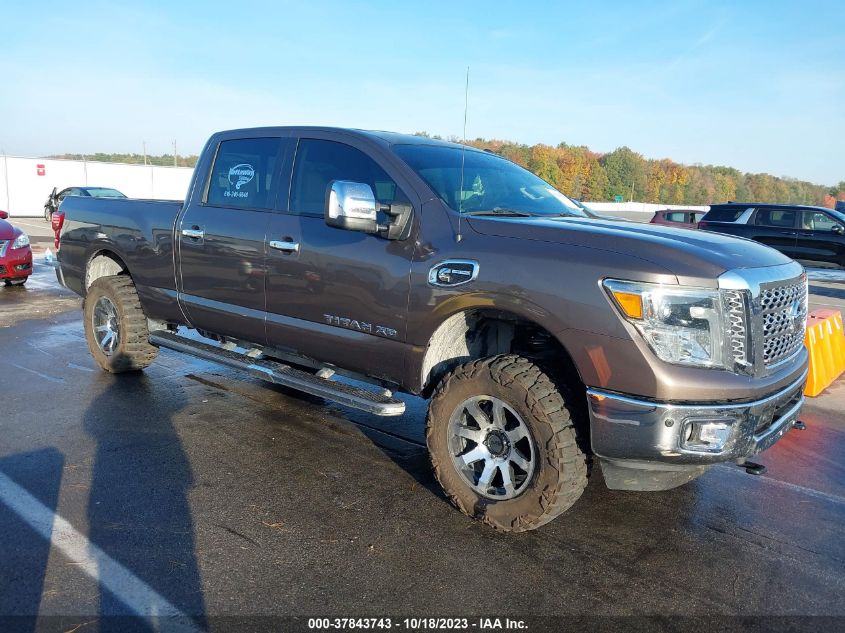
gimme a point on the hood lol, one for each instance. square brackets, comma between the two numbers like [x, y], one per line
[694, 257]
[8, 231]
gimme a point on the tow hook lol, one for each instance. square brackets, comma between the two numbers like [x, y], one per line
[752, 468]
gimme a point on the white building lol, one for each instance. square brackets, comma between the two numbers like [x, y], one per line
[25, 183]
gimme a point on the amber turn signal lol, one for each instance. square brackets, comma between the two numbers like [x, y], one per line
[631, 304]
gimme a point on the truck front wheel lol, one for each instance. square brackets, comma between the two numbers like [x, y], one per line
[503, 444]
[116, 327]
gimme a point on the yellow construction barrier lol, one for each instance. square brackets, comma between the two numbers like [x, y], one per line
[825, 341]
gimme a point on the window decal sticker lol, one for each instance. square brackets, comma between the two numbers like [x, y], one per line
[239, 175]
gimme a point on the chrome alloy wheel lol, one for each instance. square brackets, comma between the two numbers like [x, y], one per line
[106, 326]
[491, 447]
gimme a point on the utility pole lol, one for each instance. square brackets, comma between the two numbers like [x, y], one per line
[145, 152]
[174, 154]
[6, 178]
[631, 199]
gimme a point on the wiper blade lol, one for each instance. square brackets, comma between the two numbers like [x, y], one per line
[501, 211]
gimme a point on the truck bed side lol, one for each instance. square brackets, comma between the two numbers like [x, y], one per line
[136, 234]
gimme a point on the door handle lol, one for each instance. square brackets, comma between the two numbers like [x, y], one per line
[195, 233]
[289, 246]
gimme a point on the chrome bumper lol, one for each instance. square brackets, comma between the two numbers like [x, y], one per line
[631, 434]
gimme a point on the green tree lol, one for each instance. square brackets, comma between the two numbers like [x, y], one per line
[625, 171]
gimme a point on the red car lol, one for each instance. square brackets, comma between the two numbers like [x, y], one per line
[15, 253]
[683, 218]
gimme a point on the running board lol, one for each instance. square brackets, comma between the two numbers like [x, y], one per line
[285, 375]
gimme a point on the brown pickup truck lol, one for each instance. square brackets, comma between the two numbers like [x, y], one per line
[544, 337]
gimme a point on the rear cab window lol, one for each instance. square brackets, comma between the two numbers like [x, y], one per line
[243, 174]
[677, 216]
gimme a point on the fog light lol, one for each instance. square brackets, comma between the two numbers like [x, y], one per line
[709, 436]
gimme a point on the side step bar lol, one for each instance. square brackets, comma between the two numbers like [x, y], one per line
[285, 375]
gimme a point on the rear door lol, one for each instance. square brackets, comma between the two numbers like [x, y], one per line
[221, 237]
[817, 240]
[776, 227]
[336, 295]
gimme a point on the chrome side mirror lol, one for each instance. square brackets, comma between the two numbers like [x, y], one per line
[838, 229]
[352, 206]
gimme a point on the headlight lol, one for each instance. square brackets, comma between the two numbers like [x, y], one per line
[21, 241]
[682, 325]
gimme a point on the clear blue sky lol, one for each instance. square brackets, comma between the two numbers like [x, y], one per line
[756, 85]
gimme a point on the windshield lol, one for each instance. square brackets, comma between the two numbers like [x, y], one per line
[104, 192]
[490, 183]
[837, 215]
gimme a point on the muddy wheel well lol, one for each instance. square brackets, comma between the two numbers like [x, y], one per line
[480, 333]
[103, 264]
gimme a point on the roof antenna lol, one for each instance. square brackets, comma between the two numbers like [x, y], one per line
[459, 236]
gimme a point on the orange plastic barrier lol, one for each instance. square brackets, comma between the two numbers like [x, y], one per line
[825, 341]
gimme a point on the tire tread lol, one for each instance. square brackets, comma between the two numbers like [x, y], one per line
[547, 402]
[136, 353]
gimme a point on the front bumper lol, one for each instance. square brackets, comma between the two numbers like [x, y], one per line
[641, 444]
[16, 263]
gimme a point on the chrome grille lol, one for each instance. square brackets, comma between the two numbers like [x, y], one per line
[737, 327]
[784, 317]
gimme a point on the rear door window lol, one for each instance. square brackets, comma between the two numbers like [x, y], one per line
[243, 174]
[779, 218]
[319, 162]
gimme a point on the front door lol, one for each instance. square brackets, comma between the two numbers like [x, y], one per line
[817, 240]
[336, 295]
[221, 239]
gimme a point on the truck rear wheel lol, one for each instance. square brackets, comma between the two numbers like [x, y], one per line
[503, 444]
[116, 327]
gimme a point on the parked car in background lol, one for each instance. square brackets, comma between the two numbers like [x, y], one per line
[55, 199]
[15, 253]
[682, 218]
[813, 234]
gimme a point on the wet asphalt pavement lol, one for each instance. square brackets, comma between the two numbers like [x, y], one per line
[224, 496]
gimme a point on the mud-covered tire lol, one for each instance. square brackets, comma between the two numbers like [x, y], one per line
[132, 350]
[560, 472]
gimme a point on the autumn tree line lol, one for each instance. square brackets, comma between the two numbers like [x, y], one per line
[587, 175]
[582, 173]
[161, 160]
